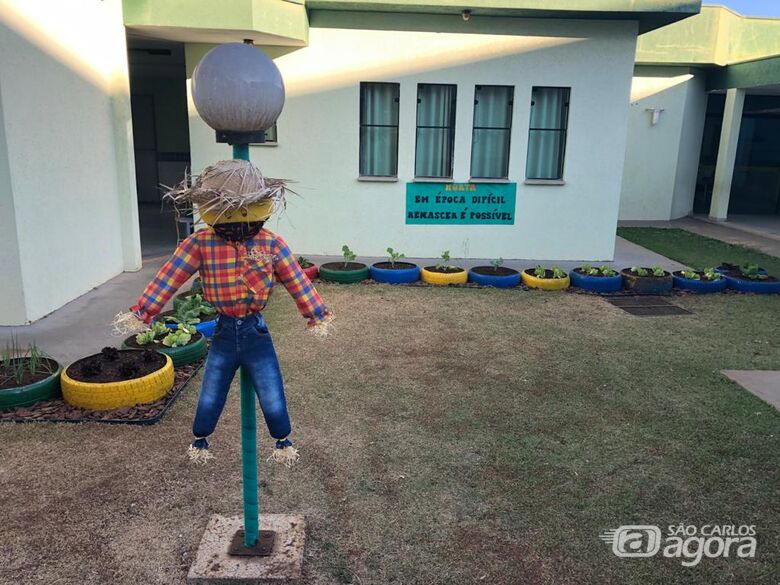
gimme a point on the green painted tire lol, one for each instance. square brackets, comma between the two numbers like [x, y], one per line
[330, 273]
[31, 393]
[181, 356]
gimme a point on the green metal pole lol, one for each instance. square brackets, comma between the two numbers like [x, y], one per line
[248, 434]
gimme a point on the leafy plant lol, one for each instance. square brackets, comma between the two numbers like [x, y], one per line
[178, 338]
[159, 328]
[540, 271]
[496, 263]
[445, 263]
[349, 255]
[15, 361]
[752, 271]
[145, 337]
[691, 275]
[607, 271]
[305, 262]
[639, 271]
[589, 270]
[712, 274]
[394, 256]
[658, 271]
[189, 312]
[558, 273]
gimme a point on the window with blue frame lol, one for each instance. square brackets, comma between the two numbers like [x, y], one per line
[435, 130]
[491, 130]
[547, 132]
[379, 104]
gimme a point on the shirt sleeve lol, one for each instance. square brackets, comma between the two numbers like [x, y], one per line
[174, 273]
[294, 279]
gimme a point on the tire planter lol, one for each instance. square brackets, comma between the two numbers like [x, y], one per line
[727, 268]
[760, 287]
[489, 276]
[337, 272]
[602, 284]
[113, 395]
[403, 273]
[698, 286]
[532, 281]
[429, 275]
[181, 356]
[647, 285]
[29, 394]
[311, 271]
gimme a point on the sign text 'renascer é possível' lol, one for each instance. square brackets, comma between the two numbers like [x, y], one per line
[460, 203]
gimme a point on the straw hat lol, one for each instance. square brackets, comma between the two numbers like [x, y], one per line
[231, 191]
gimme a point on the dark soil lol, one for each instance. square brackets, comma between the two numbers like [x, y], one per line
[701, 274]
[46, 369]
[444, 269]
[599, 275]
[116, 365]
[493, 271]
[650, 274]
[130, 341]
[343, 266]
[547, 273]
[396, 266]
[60, 411]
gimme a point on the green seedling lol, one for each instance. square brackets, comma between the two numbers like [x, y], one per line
[752, 272]
[496, 264]
[558, 273]
[540, 271]
[712, 274]
[445, 263]
[639, 271]
[15, 361]
[394, 256]
[178, 338]
[145, 337]
[658, 271]
[607, 271]
[349, 255]
[304, 262]
[691, 275]
[589, 270]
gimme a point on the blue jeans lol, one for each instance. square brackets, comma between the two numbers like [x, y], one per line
[242, 342]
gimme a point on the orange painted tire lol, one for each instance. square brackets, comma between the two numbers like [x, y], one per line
[113, 395]
[441, 278]
[532, 281]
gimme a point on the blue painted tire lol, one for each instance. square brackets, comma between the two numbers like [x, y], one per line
[503, 281]
[699, 286]
[759, 287]
[723, 270]
[396, 275]
[602, 284]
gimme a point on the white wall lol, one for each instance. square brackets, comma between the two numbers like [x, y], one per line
[319, 132]
[63, 87]
[659, 177]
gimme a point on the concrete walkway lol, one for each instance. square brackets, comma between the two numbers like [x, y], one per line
[763, 383]
[82, 327]
[763, 235]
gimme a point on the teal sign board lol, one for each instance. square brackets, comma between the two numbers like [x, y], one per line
[461, 203]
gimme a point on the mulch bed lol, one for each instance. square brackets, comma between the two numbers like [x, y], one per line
[142, 414]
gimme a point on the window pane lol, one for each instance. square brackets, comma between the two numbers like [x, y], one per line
[545, 154]
[380, 147]
[549, 107]
[434, 153]
[490, 153]
[490, 138]
[270, 134]
[435, 130]
[379, 129]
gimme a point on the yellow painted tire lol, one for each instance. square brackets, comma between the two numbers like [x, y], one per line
[431, 277]
[112, 395]
[532, 281]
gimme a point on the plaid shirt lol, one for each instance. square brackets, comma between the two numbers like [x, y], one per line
[237, 276]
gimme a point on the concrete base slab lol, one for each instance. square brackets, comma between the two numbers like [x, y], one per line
[763, 383]
[213, 565]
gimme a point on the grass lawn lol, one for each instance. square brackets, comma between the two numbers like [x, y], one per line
[697, 251]
[448, 436]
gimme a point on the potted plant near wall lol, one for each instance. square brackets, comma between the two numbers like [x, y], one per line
[647, 281]
[393, 271]
[700, 281]
[27, 376]
[345, 272]
[495, 275]
[195, 312]
[309, 267]
[752, 278]
[444, 273]
[115, 378]
[603, 279]
[546, 278]
[184, 344]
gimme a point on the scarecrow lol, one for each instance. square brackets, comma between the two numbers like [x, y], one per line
[238, 260]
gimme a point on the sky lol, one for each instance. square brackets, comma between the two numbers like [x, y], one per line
[751, 7]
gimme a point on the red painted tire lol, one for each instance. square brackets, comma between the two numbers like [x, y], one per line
[312, 272]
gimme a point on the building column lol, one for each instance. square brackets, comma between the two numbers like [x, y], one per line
[727, 154]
